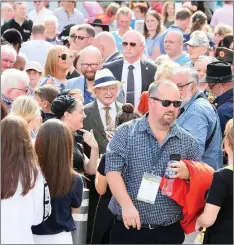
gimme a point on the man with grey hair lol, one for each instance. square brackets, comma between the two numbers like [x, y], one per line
[8, 57]
[142, 148]
[173, 45]
[123, 19]
[136, 73]
[90, 61]
[199, 117]
[197, 45]
[37, 48]
[14, 83]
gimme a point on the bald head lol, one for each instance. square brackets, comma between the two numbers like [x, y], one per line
[101, 40]
[90, 53]
[173, 44]
[135, 35]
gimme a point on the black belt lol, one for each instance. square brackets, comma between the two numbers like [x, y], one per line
[143, 226]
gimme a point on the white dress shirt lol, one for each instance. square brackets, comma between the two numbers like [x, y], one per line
[41, 16]
[113, 112]
[137, 80]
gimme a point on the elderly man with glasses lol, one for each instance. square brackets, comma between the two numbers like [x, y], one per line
[199, 117]
[14, 83]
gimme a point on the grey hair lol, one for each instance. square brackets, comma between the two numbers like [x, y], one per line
[153, 88]
[192, 73]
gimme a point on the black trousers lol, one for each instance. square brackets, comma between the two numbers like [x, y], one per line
[172, 234]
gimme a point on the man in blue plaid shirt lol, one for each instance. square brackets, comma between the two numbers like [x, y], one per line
[142, 148]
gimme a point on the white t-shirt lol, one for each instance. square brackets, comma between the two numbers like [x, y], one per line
[41, 16]
[36, 50]
[19, 213]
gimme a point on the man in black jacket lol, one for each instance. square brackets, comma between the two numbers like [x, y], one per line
[135, 73]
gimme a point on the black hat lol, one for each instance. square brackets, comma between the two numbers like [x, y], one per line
[64, 35]
[98, 22]
[219, 72]
[224, 54]
[61, 104]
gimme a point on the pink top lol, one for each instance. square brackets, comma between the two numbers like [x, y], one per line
[223, 15]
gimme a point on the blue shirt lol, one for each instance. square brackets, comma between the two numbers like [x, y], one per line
[133, 151]
[150, 43]
[56, 82]
[118, 40]
[199, 119]
[224, 104]
[61, 218]
[183, 59]
[8, 102]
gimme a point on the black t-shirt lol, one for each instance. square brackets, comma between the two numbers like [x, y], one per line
[74, 74]
[101, 170]
[78, 154]
[61, 217]
[221, 194]
[25, 29]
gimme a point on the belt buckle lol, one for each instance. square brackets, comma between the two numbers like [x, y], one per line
[150, 227]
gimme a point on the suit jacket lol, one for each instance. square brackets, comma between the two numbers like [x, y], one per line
[114, 57]
[93, 121]
[148, 71]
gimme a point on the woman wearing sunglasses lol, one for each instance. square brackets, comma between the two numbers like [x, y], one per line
[56, 67]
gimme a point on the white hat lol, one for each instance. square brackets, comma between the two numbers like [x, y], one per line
[33, 65]
[104, 78]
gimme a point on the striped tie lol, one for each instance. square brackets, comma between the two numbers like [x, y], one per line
[108, 117]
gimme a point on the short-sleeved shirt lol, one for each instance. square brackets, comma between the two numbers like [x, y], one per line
[25, 29]
[61, 216]
[133, 151]
[183, 59]
[221, 194]
[150, 43]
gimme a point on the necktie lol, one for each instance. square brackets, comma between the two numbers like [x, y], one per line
[108, 117]
[130, 86]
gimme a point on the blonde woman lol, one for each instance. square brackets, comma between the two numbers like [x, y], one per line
[27, 108]
[56, 67]
[164, 72]
[51, 29]
[217, 216]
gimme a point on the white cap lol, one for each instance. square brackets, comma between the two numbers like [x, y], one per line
[33, 65]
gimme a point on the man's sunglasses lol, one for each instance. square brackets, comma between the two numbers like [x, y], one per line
[78, 37]
[132, 44]
[167, 103]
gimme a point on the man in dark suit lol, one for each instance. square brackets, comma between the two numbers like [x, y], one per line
[105, 42]
[135, 73]
[100, 117]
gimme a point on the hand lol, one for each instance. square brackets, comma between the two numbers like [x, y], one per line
[89, 138]
[131, 217]
[181, 169]
[109, 135]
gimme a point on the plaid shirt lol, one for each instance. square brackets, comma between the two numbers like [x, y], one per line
[7, 102]
[134, 151]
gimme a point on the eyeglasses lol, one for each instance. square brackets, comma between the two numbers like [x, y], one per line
[78, 37]
[92, 65]
[167, 103]
[37, 1]
[106, 89]
[180, 87]
[63, 56]
[25, 90]
[132, 44]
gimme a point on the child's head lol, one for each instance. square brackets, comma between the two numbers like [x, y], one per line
[45, 95]
[34, 71]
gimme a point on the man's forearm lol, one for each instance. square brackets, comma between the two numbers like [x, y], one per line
[118, 188]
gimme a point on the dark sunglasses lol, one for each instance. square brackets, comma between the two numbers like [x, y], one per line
[167, 103]
[125, 44]
[78, 37]
[63, 56]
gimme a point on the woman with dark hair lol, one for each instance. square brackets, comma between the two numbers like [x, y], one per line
[168, 14]
[14, 37]
[103, 218]
[199, 20]
[54, 148]
[25, 199]
[71, 112]
[152, 30]
[227, 42]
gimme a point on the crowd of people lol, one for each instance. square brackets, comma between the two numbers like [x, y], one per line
[104, 103]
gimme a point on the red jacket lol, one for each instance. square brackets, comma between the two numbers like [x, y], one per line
[191, 196]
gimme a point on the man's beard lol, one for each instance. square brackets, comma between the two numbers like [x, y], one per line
[89, 77]
[167, 122]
